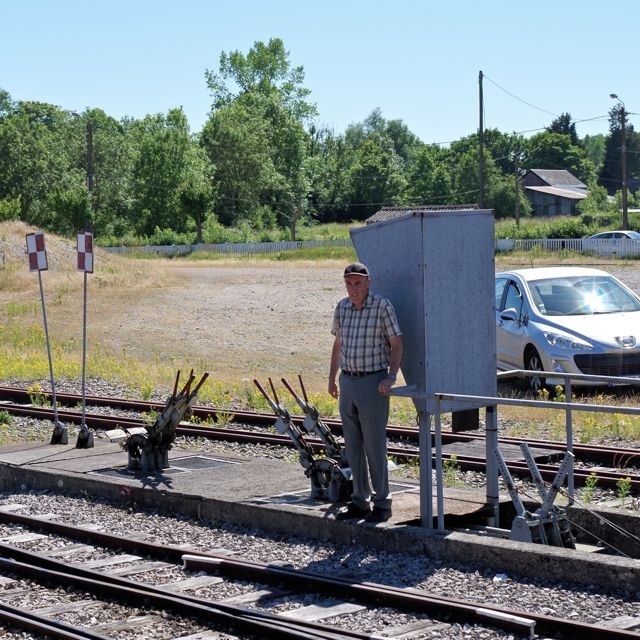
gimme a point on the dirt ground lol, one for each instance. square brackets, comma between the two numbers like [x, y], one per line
[240, 321]
[237, 319]
[237, 322]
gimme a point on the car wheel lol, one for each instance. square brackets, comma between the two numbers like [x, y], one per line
[533, 362]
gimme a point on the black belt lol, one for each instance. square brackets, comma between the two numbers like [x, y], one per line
[361, 374]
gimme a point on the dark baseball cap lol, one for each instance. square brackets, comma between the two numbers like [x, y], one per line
[356, 269]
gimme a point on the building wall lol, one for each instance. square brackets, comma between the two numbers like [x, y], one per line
[546, 205]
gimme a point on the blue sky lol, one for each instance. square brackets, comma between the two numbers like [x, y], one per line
[417, 61]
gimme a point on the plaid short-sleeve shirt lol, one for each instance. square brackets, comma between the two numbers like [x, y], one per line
[365, 333]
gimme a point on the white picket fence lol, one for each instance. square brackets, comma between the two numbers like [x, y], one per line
[230, 247]
[603, 248]
[609, 248]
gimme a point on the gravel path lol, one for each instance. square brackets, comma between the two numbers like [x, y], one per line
[400, 570]
[243, 322]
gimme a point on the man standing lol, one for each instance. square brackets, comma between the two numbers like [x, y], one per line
[368, 350]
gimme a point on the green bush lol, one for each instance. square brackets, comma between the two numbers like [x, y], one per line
[10, 209]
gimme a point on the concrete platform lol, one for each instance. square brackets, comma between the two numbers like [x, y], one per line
[207, 477]
[276, 496]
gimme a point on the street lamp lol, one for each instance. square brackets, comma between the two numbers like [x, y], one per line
[623, 166]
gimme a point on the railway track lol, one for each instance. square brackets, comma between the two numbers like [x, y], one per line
[127, 583]
[611, 465]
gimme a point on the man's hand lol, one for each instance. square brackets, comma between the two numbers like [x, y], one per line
[386, 384]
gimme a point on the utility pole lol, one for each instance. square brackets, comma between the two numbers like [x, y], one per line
[623, 149]
[89, 157]
[481, 144]
[623, 161]
[517, 163]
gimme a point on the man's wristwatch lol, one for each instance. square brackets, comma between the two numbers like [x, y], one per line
[392, 376]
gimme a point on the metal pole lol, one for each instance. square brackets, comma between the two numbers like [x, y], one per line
[623, 149]
[46, 335]
[439, 474]
[84, 353]
[571, 489]
[426, 469]
[491, 445]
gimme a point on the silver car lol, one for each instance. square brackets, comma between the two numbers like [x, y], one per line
[613, 243]
[566, 319]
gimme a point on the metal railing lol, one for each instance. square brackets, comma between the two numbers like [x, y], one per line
[490, 403]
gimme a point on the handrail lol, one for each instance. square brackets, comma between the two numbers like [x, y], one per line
[491, 403]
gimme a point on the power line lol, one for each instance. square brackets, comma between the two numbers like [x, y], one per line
[533, 106]
[515, 97]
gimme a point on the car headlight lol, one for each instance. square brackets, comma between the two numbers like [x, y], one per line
[566, 342]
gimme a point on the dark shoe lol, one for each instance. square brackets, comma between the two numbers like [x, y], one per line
[353, 512]
[378, 514]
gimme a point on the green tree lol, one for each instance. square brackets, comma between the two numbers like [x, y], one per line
[34, 158]
[237, 138]
[466, 176]
[595, 203]
[428, 178]
[555, 151]
[328, 161]
[162, 154]
[564, 125]
[375, 175]
[196, 191]
[256, 138]
[265, 70]
[114, 153]
[292, 165]
[500, 188]
[501, 147]
[594, 147]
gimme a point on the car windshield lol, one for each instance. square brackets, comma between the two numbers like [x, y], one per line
[581, 295]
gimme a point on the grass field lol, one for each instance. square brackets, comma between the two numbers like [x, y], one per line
[119, 292]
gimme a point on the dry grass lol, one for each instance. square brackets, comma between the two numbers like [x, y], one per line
[236, 318]
[116, 284]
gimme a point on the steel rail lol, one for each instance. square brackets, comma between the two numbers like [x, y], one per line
[605, 455]
[592, 453]
[606, 478]
[23, 397]
[133, 593]
[412, 600]
[47, 627]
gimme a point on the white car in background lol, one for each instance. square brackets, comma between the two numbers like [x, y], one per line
[566, 320]
[613, 243]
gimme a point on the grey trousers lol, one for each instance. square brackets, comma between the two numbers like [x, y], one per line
[365, 413]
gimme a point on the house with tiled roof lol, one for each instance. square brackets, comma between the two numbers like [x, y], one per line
[553, 192]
